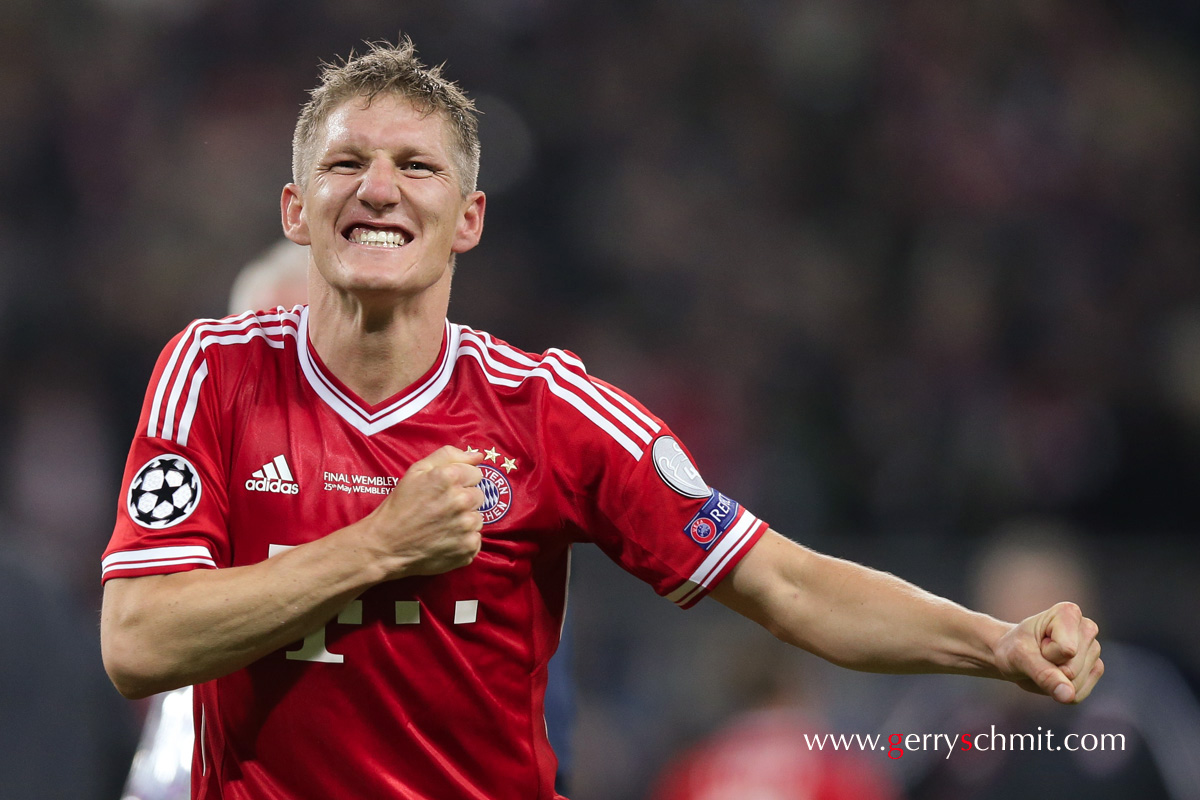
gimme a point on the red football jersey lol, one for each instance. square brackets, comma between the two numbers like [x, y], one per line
[426, 687]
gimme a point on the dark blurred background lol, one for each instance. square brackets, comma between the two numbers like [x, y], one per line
[898, 273]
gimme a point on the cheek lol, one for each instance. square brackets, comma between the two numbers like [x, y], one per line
[318, 213]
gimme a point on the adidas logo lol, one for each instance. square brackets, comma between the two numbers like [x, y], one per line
[275, 476]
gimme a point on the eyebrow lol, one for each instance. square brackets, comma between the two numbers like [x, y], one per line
[406, 152]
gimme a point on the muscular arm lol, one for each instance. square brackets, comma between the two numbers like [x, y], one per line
[165, 631]
[868, 620]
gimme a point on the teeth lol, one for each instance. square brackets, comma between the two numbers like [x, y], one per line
[377, 238]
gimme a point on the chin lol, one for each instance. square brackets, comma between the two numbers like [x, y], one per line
[357, 269]
[391, 282]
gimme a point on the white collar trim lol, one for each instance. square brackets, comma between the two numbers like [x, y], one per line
[371, 422]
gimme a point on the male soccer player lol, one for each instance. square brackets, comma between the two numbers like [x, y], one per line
[349, 524]
[161, 767]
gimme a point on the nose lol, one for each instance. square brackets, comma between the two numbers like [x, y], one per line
[380, 185]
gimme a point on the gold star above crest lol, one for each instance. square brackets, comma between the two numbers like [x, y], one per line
[509, 464]
[491, 454]
[472, 449]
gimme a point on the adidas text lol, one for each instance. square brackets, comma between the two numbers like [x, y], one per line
[276, 486]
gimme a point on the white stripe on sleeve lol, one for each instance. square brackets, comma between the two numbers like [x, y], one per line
[157, 556]
[728, 547]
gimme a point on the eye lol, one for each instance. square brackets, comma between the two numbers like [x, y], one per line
[344, 166]
[418, 168]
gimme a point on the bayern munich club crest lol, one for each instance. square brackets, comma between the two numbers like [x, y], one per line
[497, 494]
[164, 492]
[497, 491]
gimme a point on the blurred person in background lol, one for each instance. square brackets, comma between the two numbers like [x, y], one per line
[431, 682]
[277, 278]
[762, 753]
[1144, 699]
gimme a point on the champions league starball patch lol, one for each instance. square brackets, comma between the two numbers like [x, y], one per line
[497, 494]
[164, 492]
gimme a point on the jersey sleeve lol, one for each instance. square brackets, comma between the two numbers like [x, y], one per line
[173, 502]
[629, 485]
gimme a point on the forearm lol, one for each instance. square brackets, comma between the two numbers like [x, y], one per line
[161, 632]
[859, 617]
[165, 631]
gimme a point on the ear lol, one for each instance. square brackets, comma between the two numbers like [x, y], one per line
[291, 206]
[470, 223]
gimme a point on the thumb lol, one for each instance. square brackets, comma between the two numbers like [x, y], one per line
[1051, 680]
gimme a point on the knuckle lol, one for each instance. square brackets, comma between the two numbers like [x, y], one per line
[1055, 652]
[463, 474]
[466, 501]
[442, 477]
[418, 468]
[449, 479]
[470, 544]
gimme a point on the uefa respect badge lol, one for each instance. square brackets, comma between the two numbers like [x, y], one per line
[712, 520]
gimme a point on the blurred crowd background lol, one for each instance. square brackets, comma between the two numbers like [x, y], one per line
[905, 276]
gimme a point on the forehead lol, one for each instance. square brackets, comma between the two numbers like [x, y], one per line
[387, 120]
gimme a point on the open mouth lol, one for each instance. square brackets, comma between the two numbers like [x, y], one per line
[377, 236]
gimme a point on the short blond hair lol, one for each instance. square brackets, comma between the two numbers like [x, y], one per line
[395, 70]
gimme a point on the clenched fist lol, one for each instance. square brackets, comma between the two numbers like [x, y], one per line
[1055, 652]
[430, 522]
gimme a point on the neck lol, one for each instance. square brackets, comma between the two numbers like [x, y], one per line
[377, 346]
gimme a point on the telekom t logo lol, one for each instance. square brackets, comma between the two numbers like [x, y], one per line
[408, 612]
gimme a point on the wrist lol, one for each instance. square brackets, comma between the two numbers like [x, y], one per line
[368, 561]
[990, 635]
